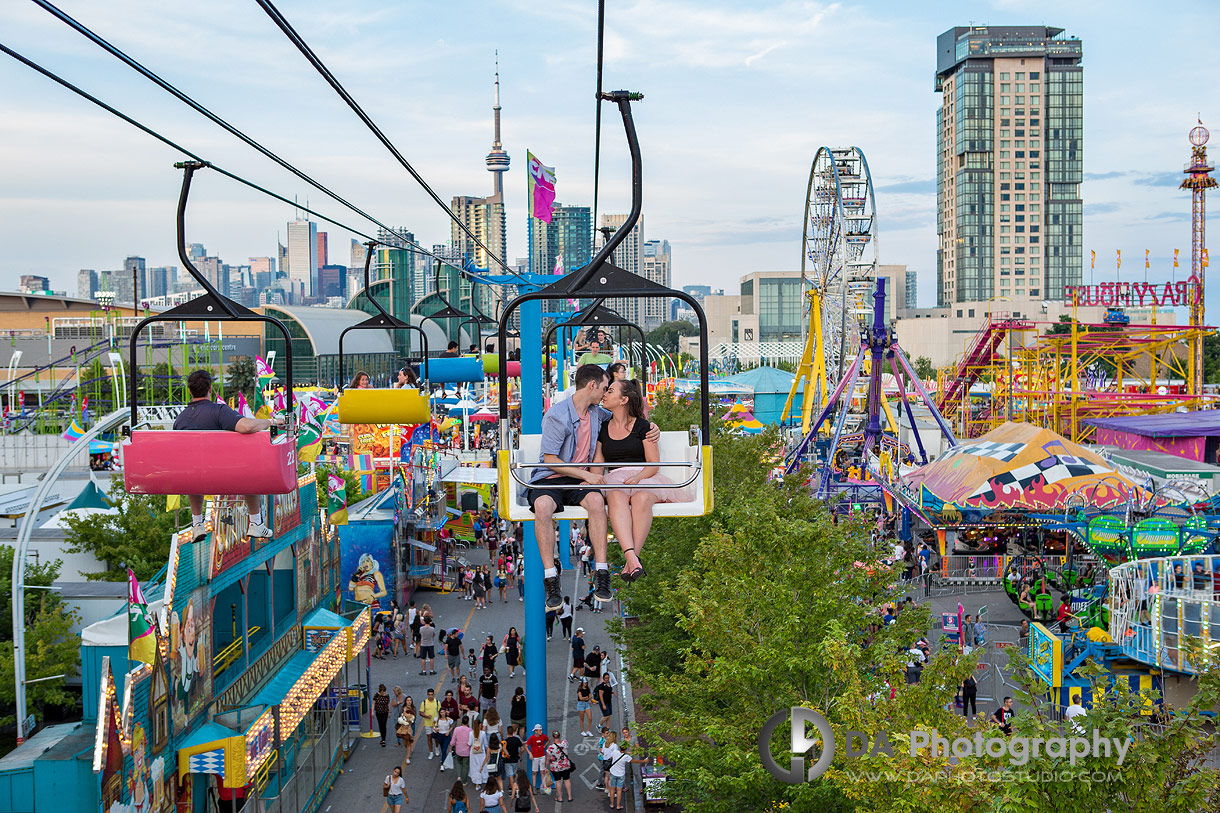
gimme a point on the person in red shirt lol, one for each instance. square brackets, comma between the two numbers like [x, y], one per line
[1065, 614]
[537, 744]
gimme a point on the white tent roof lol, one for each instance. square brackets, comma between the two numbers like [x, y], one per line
[57, 521]
[113, 631]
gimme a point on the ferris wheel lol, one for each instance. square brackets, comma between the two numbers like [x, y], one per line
[839, 257]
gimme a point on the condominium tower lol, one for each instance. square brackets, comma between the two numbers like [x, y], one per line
[1008, 163]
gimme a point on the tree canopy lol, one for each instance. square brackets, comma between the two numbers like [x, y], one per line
[49, 647]
[666, 335]
[138, 536]
[768, 603]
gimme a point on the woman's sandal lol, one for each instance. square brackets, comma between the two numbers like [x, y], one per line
[631, 575]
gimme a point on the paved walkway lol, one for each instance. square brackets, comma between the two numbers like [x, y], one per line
[358, 788]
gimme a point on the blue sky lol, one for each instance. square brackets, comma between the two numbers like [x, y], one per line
[739, 96]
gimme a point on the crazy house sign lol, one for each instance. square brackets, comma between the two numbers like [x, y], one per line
[1133, 294]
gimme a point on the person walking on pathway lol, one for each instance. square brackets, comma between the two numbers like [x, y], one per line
[490, 796]
[604, 693]
[584, 696]
[565, 618]
[427, 647]
[478, 754]
[516, 709]
[381, 708]
[429, 711]
[620, 759]
[510, 757]
[970, 691]
[444, 727]
[489, 685]
[523, 796]
[460, 746]
[578, 654]
[512, 651]
[480, 592]
[458, 803]
[593, 665]
[453, 655]
[537, 744]
[560, 766]
[395, 788]
[490, 651]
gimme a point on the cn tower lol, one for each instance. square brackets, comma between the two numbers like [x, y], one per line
[497, 159]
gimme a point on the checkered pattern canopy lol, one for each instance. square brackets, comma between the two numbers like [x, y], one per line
[1019, 466]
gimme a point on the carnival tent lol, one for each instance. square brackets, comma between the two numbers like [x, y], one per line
[770, 387]
[1017, 466]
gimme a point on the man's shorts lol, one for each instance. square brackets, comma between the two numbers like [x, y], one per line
[453, 661]
[561, 496]
[538, 763]
[561, 776]
[427, 652]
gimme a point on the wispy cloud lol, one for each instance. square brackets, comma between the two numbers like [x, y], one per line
[1100, 208]
[921, 187]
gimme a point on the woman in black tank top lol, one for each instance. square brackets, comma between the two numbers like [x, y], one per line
[622, 440]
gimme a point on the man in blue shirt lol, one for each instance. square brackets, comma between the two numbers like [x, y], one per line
[203, 413]
[569, 441]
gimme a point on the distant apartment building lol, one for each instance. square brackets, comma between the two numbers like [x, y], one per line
[569, 236]
[912, 298]
[303, 254]
[86, 283]
[33, 284]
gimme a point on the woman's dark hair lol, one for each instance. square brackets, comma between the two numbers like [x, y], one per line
[493, 785]
[398, 769]
[523, 784]
[356, 379]
[458, 792]
[412, 377]
[520, 691]
[381, 688]
[616, 368]
[635, 400]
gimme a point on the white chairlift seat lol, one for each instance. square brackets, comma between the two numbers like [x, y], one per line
[674, 447]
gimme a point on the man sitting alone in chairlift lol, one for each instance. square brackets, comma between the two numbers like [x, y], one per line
[595, 354]
[569, 441]
[203, 413]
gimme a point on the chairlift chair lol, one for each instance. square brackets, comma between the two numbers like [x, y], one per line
[207, 462]
[383, 406]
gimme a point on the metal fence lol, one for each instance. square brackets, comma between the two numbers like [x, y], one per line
[321, 735]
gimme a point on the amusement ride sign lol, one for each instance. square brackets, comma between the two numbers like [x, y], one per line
[1133, 294]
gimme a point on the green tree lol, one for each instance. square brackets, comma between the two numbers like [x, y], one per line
[351, 482]
[50, 648]
[243, 377]
[138, 536]
[667, 334]
[924, 367]
[1211, 359]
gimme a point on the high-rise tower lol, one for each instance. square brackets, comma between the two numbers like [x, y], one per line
[485, 217]
[1009, 160]
[497, 159]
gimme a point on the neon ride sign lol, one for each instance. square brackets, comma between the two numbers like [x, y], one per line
[1132, 294]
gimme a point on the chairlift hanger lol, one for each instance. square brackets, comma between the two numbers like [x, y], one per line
[600, 316]
[598, 281]
[383, 406]
[207, 462]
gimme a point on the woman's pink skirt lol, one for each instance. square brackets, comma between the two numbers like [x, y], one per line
[675, 494]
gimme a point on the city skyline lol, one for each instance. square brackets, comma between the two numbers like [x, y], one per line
[736, 105]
